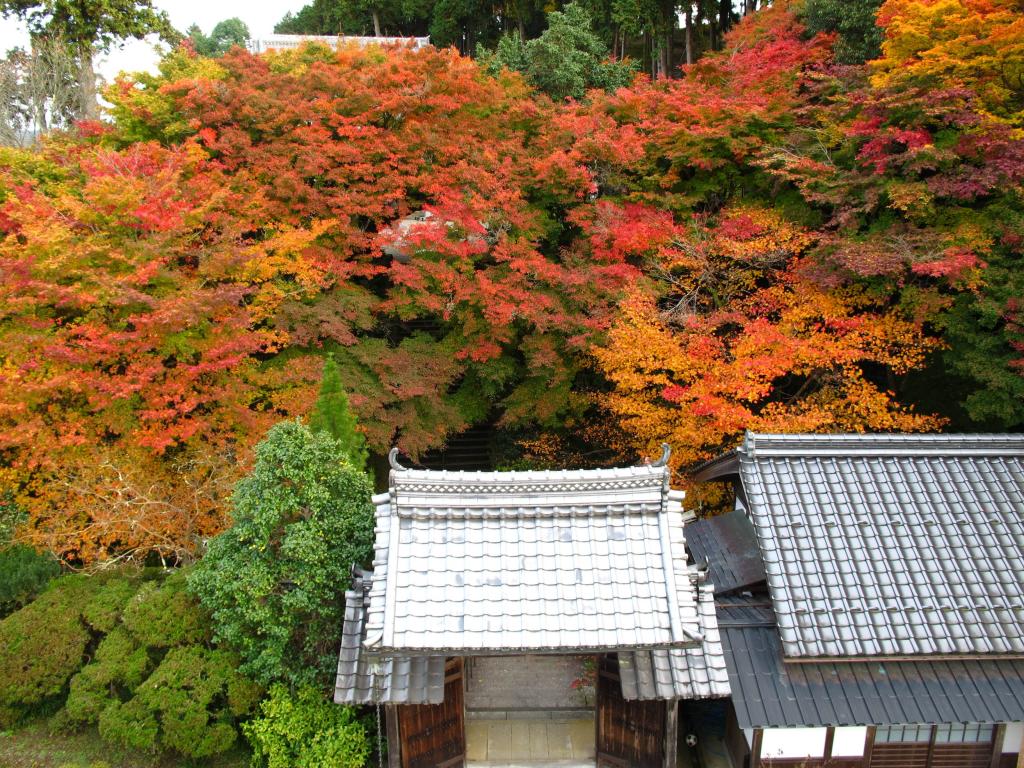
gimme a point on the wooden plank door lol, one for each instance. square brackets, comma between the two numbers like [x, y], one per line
[434, 735]
[630, 734]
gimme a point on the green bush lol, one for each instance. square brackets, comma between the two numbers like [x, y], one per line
[273, 583]
[24, 573]
[155, 685]
[45, 643]
[189, 704]
[306, 731]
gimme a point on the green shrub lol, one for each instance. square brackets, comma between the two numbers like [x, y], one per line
[155, 685]
[45, 643]
[273, 583]
[24, 573]
[189, 704]
[306, 731]
[164, 615]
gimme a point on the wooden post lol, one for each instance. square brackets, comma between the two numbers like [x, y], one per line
[394, 741]
[671, 732]
[755, 749]
[997, 745]
[830, 736]
[931, 746]
[869, 745]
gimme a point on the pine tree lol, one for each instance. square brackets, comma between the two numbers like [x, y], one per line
[331, 414]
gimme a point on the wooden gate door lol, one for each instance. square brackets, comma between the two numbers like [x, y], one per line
[630, 734]
[434, 735]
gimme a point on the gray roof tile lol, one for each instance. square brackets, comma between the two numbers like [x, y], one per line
[918, 537]
[481, 561]
[364, 678]
[769, 692]
[691, 673]
[472, 563]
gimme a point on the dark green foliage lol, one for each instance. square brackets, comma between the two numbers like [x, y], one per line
[189, 704]
[23, 574]
[103, 610]
[44, 644]
[356, 17]
[154, 683]
[331, 414]
[99, 23]
[567, 60]
[163, 615]
[222, 37]
[273, 583]
[860, 39]
[982, 346]
[305, 731]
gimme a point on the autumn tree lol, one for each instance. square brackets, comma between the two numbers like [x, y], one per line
[448, 295]
[134, 304]
[734, 337]
[90, 27]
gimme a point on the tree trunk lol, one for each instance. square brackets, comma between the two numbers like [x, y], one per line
[376, 23]
[689, 33]
[89, 107]
[724, 18]
[748, 7]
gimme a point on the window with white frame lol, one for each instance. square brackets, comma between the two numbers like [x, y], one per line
[963, 733]
[903, 734]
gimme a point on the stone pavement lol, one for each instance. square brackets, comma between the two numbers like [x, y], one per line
[530, 743]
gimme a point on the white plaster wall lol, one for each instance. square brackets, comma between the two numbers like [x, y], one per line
[793, 742]
[1013, 740]
[849, 742]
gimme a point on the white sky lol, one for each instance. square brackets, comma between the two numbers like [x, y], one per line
[138, 55]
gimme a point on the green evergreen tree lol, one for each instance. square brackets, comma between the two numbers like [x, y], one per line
[331, 414]
[567, 60]
[274, 581]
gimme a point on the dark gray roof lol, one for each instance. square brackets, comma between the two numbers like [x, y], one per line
[890, 545]
[767, 691]
[729, 545]
[539, 561]
[396, 679]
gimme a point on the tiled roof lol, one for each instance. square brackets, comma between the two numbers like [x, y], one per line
[677, 673]
[476, 562]
[366, 679]
[729, 546]
[768, 692]
[889, 545]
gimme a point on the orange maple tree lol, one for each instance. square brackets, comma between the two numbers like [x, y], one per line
[732, 336]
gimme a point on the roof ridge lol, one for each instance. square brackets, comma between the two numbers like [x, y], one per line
[887, 444]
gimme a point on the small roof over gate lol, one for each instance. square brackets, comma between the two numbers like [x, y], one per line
[494, 562]
[571, 561]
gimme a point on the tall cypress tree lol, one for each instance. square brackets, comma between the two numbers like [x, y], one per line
[331, 414]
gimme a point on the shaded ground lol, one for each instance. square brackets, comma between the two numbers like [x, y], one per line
[33, 746]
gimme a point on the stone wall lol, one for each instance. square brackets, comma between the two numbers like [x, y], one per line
[524, 683]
